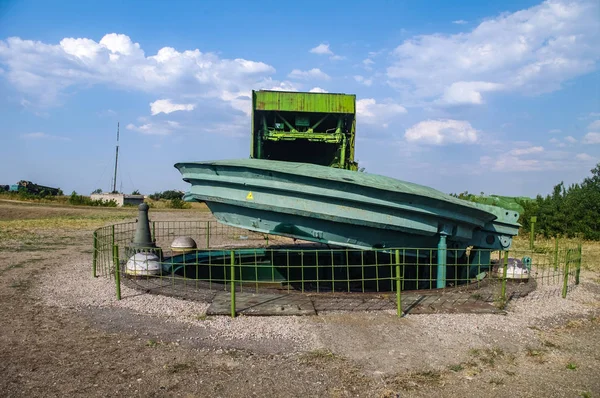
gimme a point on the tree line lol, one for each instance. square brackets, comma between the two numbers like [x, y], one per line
[572, 211]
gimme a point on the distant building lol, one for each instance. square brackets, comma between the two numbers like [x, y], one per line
[119, 198]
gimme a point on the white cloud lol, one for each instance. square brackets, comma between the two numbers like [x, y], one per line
[460, 22]
[530, 51]
[461, 93]
[321, 49]
[317, 90]
[367, 62]
[595, 125]
[441, 132]
[44, 71]
[370, 112]
[584, 157]
[44, 136]
[363, 80]
[166, 106]
[570, 139]
[591, 138]
[554, 131]
[510, 163]
[530, 159]
[314, 73]
[526, 151]
[159, 128]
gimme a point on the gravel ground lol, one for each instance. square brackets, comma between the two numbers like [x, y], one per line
[72, 287]
[68, 335]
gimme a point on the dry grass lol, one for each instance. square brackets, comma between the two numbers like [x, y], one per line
[166, 204]
[544, 248]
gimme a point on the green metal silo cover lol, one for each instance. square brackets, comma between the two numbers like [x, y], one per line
[303, 102]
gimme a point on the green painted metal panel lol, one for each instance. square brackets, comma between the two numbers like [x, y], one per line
[342, 207]
[304, 102]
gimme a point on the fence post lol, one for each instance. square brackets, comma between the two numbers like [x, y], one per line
[113, 234]
[232, 282]
[153, 232]
[398, 286]
[566, 274]
[578, 271]
[95, 254]
[441, 262]
[532, 233]
[117, 270]
[556, 253]
[504, 271]
[208, 234]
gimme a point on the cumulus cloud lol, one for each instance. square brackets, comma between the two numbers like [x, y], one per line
[314, 73]
[363, 80]
[442, 132]
[584, 157]
[166, 106]
[526, 151]
[510, 163]
[322, 49]
[370, 112]
[44, 136]
[461, 93]
[531, 51]
[317, 90]
[554, 131]
[43, 71]
[591, 138]
[595, 125]
[533, 158]
[570, 139]
[159, 128]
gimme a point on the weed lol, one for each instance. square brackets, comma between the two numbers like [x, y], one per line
[487, 356]
[572, 366]
[537, 355]
[474, 352]
[201, 317]
[456, 368]
[321, 354]
[585, 394]
[500, 303]
[573, 324]
[414, 380]
[476, 296]
[152, 343]
[20, 284]
[532, 352]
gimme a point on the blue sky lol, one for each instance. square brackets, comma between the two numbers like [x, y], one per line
[501, 98]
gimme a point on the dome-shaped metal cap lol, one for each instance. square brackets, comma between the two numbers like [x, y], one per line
[183, 243]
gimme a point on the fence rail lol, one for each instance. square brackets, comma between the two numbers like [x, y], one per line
[236, 260]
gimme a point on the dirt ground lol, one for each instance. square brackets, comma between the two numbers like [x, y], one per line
[56, 340]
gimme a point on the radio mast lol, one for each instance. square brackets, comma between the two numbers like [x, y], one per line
[114, 190]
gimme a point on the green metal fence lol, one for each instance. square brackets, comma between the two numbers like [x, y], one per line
[233, 260]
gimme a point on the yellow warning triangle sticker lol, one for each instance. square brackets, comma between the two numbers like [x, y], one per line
[249, 196]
